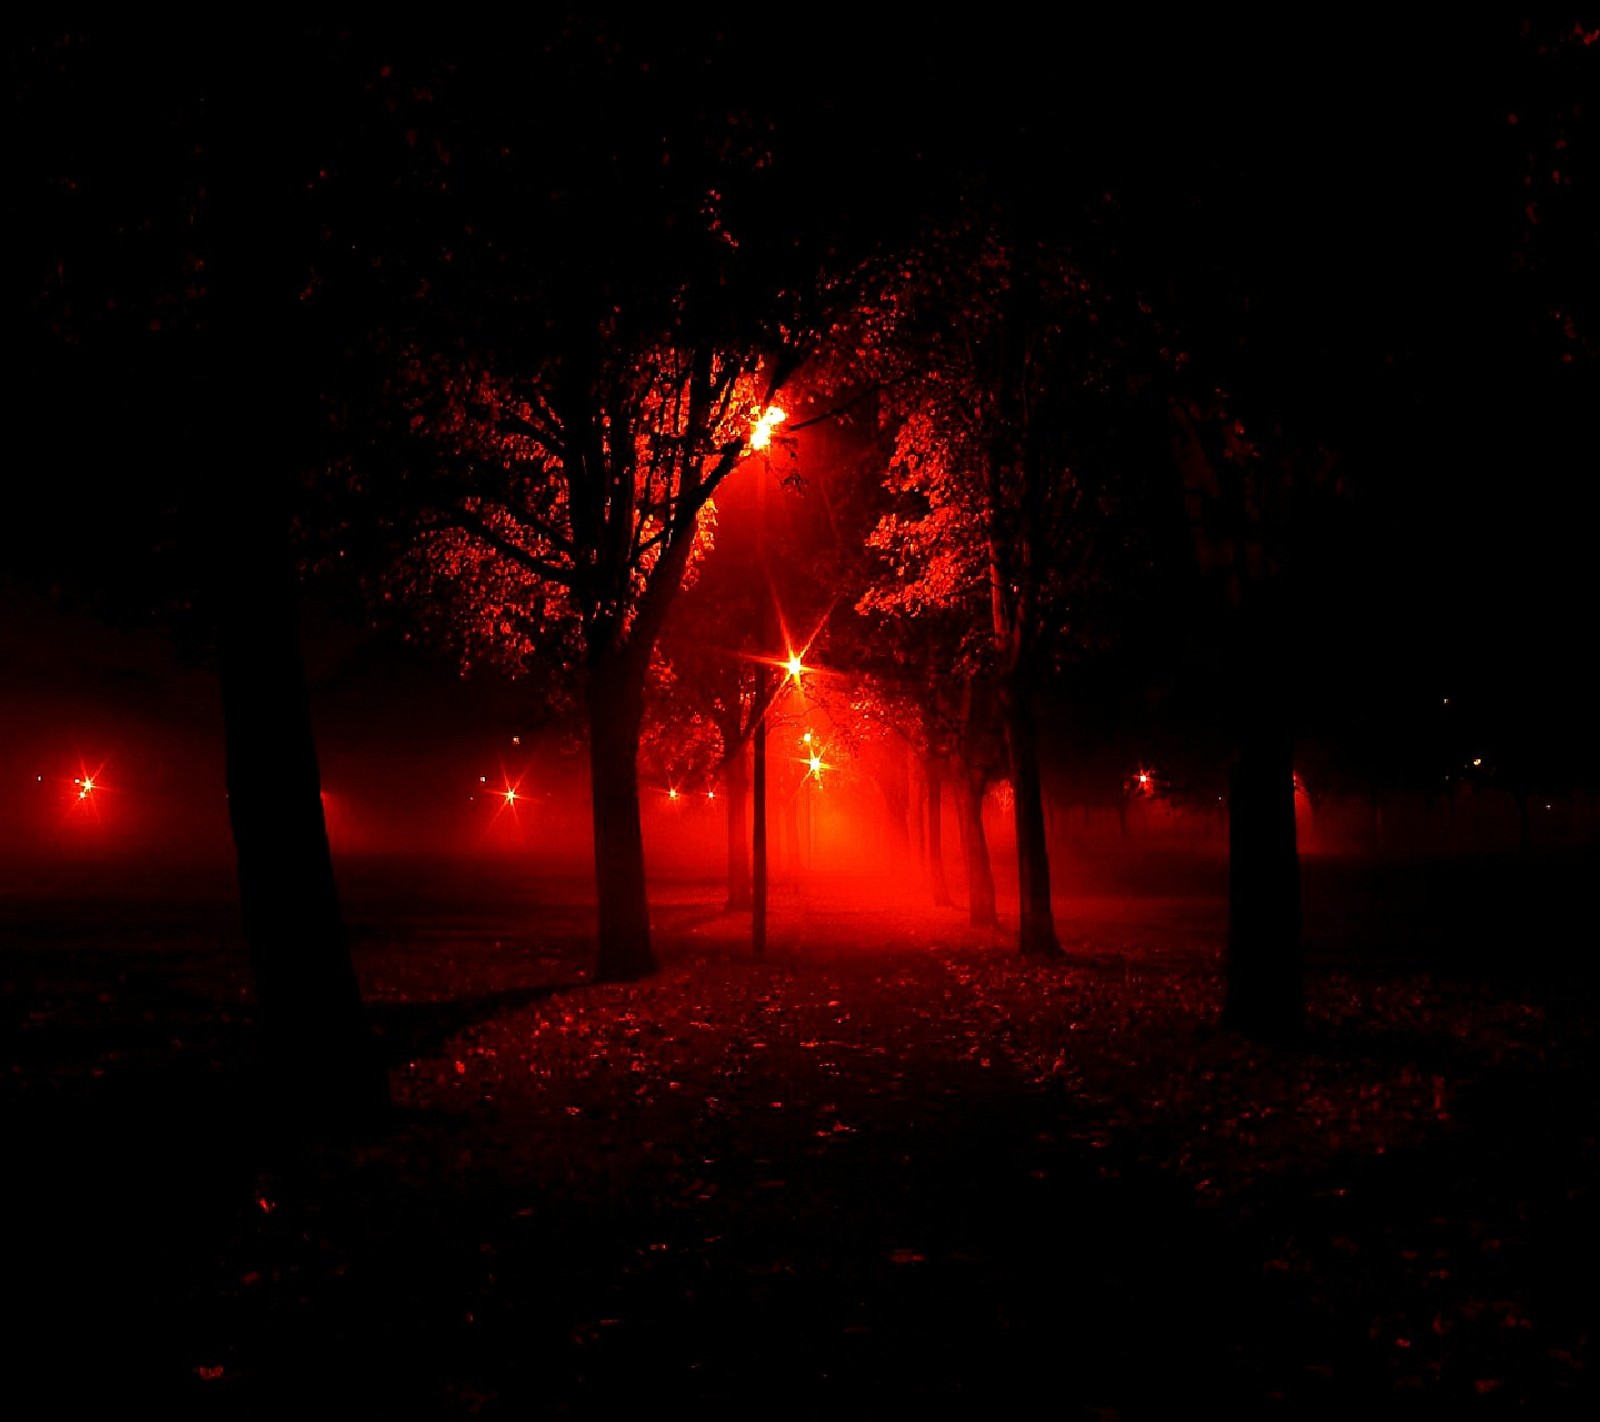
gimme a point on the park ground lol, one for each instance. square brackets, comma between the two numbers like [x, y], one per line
[886, 1171]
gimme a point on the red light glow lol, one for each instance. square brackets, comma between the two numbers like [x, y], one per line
[761, 428]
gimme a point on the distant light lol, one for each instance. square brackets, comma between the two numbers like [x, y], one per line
[1477, 760]
[711, 794]
[483, 780]
[806, 738]
[794, 665]
[516, 740]
[1144, 777]
[816, 764]
[511, 795]
[672, 794]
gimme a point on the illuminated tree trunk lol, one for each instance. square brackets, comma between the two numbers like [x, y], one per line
[975, 849]
[615, 691]
[1037, 920]
[736, 787]
[1265, 987]
[321, 1060]
[933, 778]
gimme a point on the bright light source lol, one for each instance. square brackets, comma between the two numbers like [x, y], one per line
[711, 794]
[511, 795]
[816, 764]
[761, 428]
[794, 666]
[806, 738]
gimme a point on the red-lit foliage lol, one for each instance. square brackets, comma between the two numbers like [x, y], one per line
[1006, 391]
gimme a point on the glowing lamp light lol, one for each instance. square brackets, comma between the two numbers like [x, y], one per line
[816, 764]
[711, 794]
[761, 427]
[85, 784]
[806, 738]
[794, 666]
[511, 795]
[672, 794]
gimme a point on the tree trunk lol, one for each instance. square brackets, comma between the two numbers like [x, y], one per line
[933, 778]
[975, 850]
[895, 786]
[322, 1063]
[919, 807]
[736, 789]
[1036, 919]
[1265, 988]
[616, 709]
[761, 869]
[323, 1066]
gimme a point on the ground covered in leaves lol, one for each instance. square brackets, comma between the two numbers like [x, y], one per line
[888, 1170]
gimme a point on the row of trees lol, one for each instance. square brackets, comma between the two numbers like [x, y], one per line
[492, 326]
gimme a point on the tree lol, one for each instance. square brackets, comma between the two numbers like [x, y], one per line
[598, 342]
[171, 253]
[1013, 414]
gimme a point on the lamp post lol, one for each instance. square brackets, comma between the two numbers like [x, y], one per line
[760, 439]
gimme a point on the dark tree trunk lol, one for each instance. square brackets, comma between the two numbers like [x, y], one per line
[322, 1064]
[1265, 988]
[895, 786]
[758, 839]
[919, 808]
[975, 850]
[933, 778]
[616, 709]
[1036, 920]
[736, 787]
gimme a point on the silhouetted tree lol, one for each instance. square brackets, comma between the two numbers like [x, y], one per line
[172, 252]
[607, 322]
